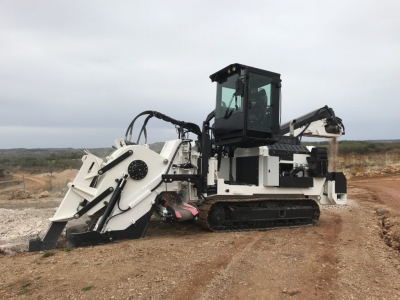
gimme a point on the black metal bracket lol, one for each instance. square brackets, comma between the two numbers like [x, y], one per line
[50, 239]
[193, 178]
[92, 238]
[115, 162]
[94, 202]
[113, 201]
[340, 182]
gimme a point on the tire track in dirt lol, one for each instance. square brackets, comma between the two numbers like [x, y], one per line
[325, 270]
[298, 263]
[277, 264]
[209, 272]
[219, 279]
[368, 269]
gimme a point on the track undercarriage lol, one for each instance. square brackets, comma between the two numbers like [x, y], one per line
[257, 214]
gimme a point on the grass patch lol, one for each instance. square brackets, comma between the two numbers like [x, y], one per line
[87, 288]
[68, 249]
[48, 254]
[37, 262]
[319, 234]
[26, 285]
[37, 278]
[269, 240]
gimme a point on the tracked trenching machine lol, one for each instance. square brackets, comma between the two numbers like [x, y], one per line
[245, 171]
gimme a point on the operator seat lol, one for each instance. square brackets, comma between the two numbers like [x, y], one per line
[262, 97]
[258, 109]
[259, 102]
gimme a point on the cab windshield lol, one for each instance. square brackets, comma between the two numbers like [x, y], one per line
[226, 101]
[259, 102]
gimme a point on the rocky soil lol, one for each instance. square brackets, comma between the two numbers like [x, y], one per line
[18, 226]
[369, 165]
[352, 253]
[24, 213]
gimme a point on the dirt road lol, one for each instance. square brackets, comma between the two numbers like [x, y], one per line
[386, 187]
[36, 183]
[342, 257]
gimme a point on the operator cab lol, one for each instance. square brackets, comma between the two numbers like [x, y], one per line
[247, 106]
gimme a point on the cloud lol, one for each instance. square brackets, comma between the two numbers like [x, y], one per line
[85, 69]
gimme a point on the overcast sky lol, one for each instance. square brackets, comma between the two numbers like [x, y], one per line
[75, 73]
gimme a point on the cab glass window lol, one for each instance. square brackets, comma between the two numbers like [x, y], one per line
[259, 102]
[226, 101]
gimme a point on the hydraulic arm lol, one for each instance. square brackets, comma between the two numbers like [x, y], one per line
[318, 123]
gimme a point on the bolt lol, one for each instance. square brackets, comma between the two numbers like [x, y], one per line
[111, 189]
[130, 151]
[76, 216]
[165, 161]
[100, 172]
[227, 190]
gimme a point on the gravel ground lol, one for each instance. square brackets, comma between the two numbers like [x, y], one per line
[21, 221]
[351, 204]
[351, 253]
[17, 227]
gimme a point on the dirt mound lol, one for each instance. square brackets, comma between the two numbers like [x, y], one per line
[69, 174]
[44, 194]
[390, 225]
[365, 165]
[20, 194]
[391, 169]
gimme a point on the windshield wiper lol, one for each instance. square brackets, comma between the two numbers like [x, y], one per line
[229, 111]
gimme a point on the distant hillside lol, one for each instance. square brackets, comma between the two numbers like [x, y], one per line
[364, 158]
[361, 147]
[52, 159]
[383, 141]
[157, 147]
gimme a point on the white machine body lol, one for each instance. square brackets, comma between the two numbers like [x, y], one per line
[140, 195]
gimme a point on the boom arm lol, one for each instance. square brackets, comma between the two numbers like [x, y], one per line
[318, 123]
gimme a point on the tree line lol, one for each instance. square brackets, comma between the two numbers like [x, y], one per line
[359, 147]
[52, 161]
